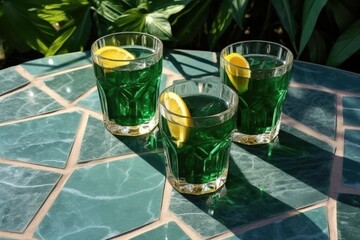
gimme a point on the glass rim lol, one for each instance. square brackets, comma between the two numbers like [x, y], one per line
[229, 109]
[156, 52]
[285, 65]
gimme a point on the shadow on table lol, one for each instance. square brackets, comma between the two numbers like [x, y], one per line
[191, 64]
[265, 181]
[306, 160]
[148, 146]
[144, 143]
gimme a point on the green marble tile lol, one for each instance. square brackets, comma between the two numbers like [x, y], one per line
[167, 231]
[91, 102]
[351, 102]
[198, 212]
[301, 136]
[26, 103]
[72, 84]
[323, 76]
[309, 225]
[22, 192]
[351, 111]
[263, 181]
[351, 164]
[94, 203]
[315, 109]
[99, 143]
[190, 64]
[348, 216]
[292, 169]
[10, 79]
[44, 141]
[56, 63]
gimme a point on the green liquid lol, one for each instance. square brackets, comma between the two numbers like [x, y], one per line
[204, 156]
[128, 94]
[260, 106]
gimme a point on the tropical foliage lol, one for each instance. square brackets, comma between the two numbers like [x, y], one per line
[320, 31]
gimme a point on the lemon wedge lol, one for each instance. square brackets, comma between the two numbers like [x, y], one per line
[115, 56]
[178, 126]
[238, 71]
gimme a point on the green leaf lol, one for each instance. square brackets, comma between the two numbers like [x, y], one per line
[345, 46]
[238, 10]
[353, 6]
[74, 34]
[343, 16]
[311, 12]
[222, 19]
[59, 42]
[187, 24]
[166, 7]
[132, 20]
[285, 14]
[73, 20]
[158, 25]
[317, 47]
[61, 10]
[110, 9]
[22, 28]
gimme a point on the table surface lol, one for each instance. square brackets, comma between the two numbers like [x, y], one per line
[64, 176]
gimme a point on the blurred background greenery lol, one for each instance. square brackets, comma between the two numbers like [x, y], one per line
[319, 31]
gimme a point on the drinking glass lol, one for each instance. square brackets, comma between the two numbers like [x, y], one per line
[128, 87]
[261, 87]
[197, 146]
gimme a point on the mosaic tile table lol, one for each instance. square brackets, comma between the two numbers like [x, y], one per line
[63, 176]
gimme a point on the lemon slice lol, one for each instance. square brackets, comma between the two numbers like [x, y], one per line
[115, 56]
[178, 126]
[238, 71]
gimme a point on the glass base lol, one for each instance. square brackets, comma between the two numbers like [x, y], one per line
[195, 188]
[137, 130]
[262, 138]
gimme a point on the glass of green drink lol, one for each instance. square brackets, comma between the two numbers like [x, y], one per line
[128, 69]
[259, 71]
[197, 120]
